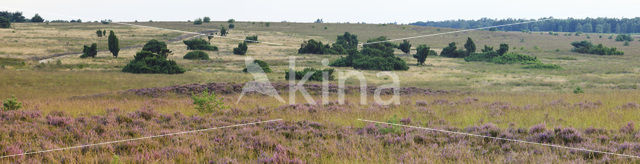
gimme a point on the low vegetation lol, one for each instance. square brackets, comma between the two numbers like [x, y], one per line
[344, 43]
[378, 55]
[199, 44]
[206, 102]
[315, 74]
[241, 49]
[197, 55]
[153, 59]
[263, 65]
[587, 47]
[11, 104]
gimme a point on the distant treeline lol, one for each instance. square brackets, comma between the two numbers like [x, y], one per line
[587, 25]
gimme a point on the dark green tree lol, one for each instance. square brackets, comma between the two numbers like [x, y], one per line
[99, 33]
[157, 47]
[223, 31]
[114, 44]
[470, 46]
[104, 32]
[36, 18]
[422, 52]
[405, 46]
[241, 49]
[231, 26]
[504, 48]
[149, 62]
[4, 22]
[197, 21]
[206, 19]
[89, 51]
[196, 55]
[231, 21]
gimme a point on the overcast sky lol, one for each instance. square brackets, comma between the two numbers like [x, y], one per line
[370, 11]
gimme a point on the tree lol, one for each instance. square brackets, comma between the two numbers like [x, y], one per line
[89, 51]
[223, 31]
[210, 36]
[504, 48]
[206, 19]
[449, 51]
[231, 26]
[157, 47]
[405, 46]
[241, 49]
[37, 18]
[4, 22]
[114, 44]
[231, 21]
[422, 52]
[99, 33]
[470, 46]
[104, 32]
[197, 21]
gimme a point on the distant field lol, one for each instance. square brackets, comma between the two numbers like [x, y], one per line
[26, 40]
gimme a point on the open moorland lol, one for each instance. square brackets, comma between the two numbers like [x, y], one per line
[590, 101]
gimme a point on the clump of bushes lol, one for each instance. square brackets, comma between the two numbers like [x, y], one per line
[197, 55]
[316, 74]
[197, 21]
[502, 56]
[208, 102]
[377, 56]
[251, 39]
[587, 47]
[344, 43]
[11, 104]
[153, 59]
[263, 65]
[199, 44]
[241, 49]
[89, 51]
[624, 38]
[451, 51]
[542, 66]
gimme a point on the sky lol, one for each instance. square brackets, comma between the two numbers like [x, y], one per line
[369, 11]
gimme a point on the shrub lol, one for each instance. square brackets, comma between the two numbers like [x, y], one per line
[199, 44]
[196, 55]
[344, 43]
[470, 46]
[36, 18]
[626, 43]
[89, 51]
[4, 22]
[149, 62]
[99, 33]
[314, 47]
[223, 31]
[157, 47]
[231, 26]
[587, 47]
[316, 74]
[451, 51]
[504, 48]
[378, 56]
[405, 46]
[241, 49]
[197, 21]
[11, 104]
[622, 38]
[251, 39]
[231, 21]
[422, 52]
[542, 66]
[114, 45]
[512, 58]
[578, 90]
[206, 19]
[208, 102]
[484, 56]
[263, 65]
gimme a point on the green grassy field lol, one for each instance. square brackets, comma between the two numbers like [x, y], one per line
[508, 96]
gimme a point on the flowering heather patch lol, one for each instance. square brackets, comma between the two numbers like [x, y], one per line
[286, 141]
[236, 88]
